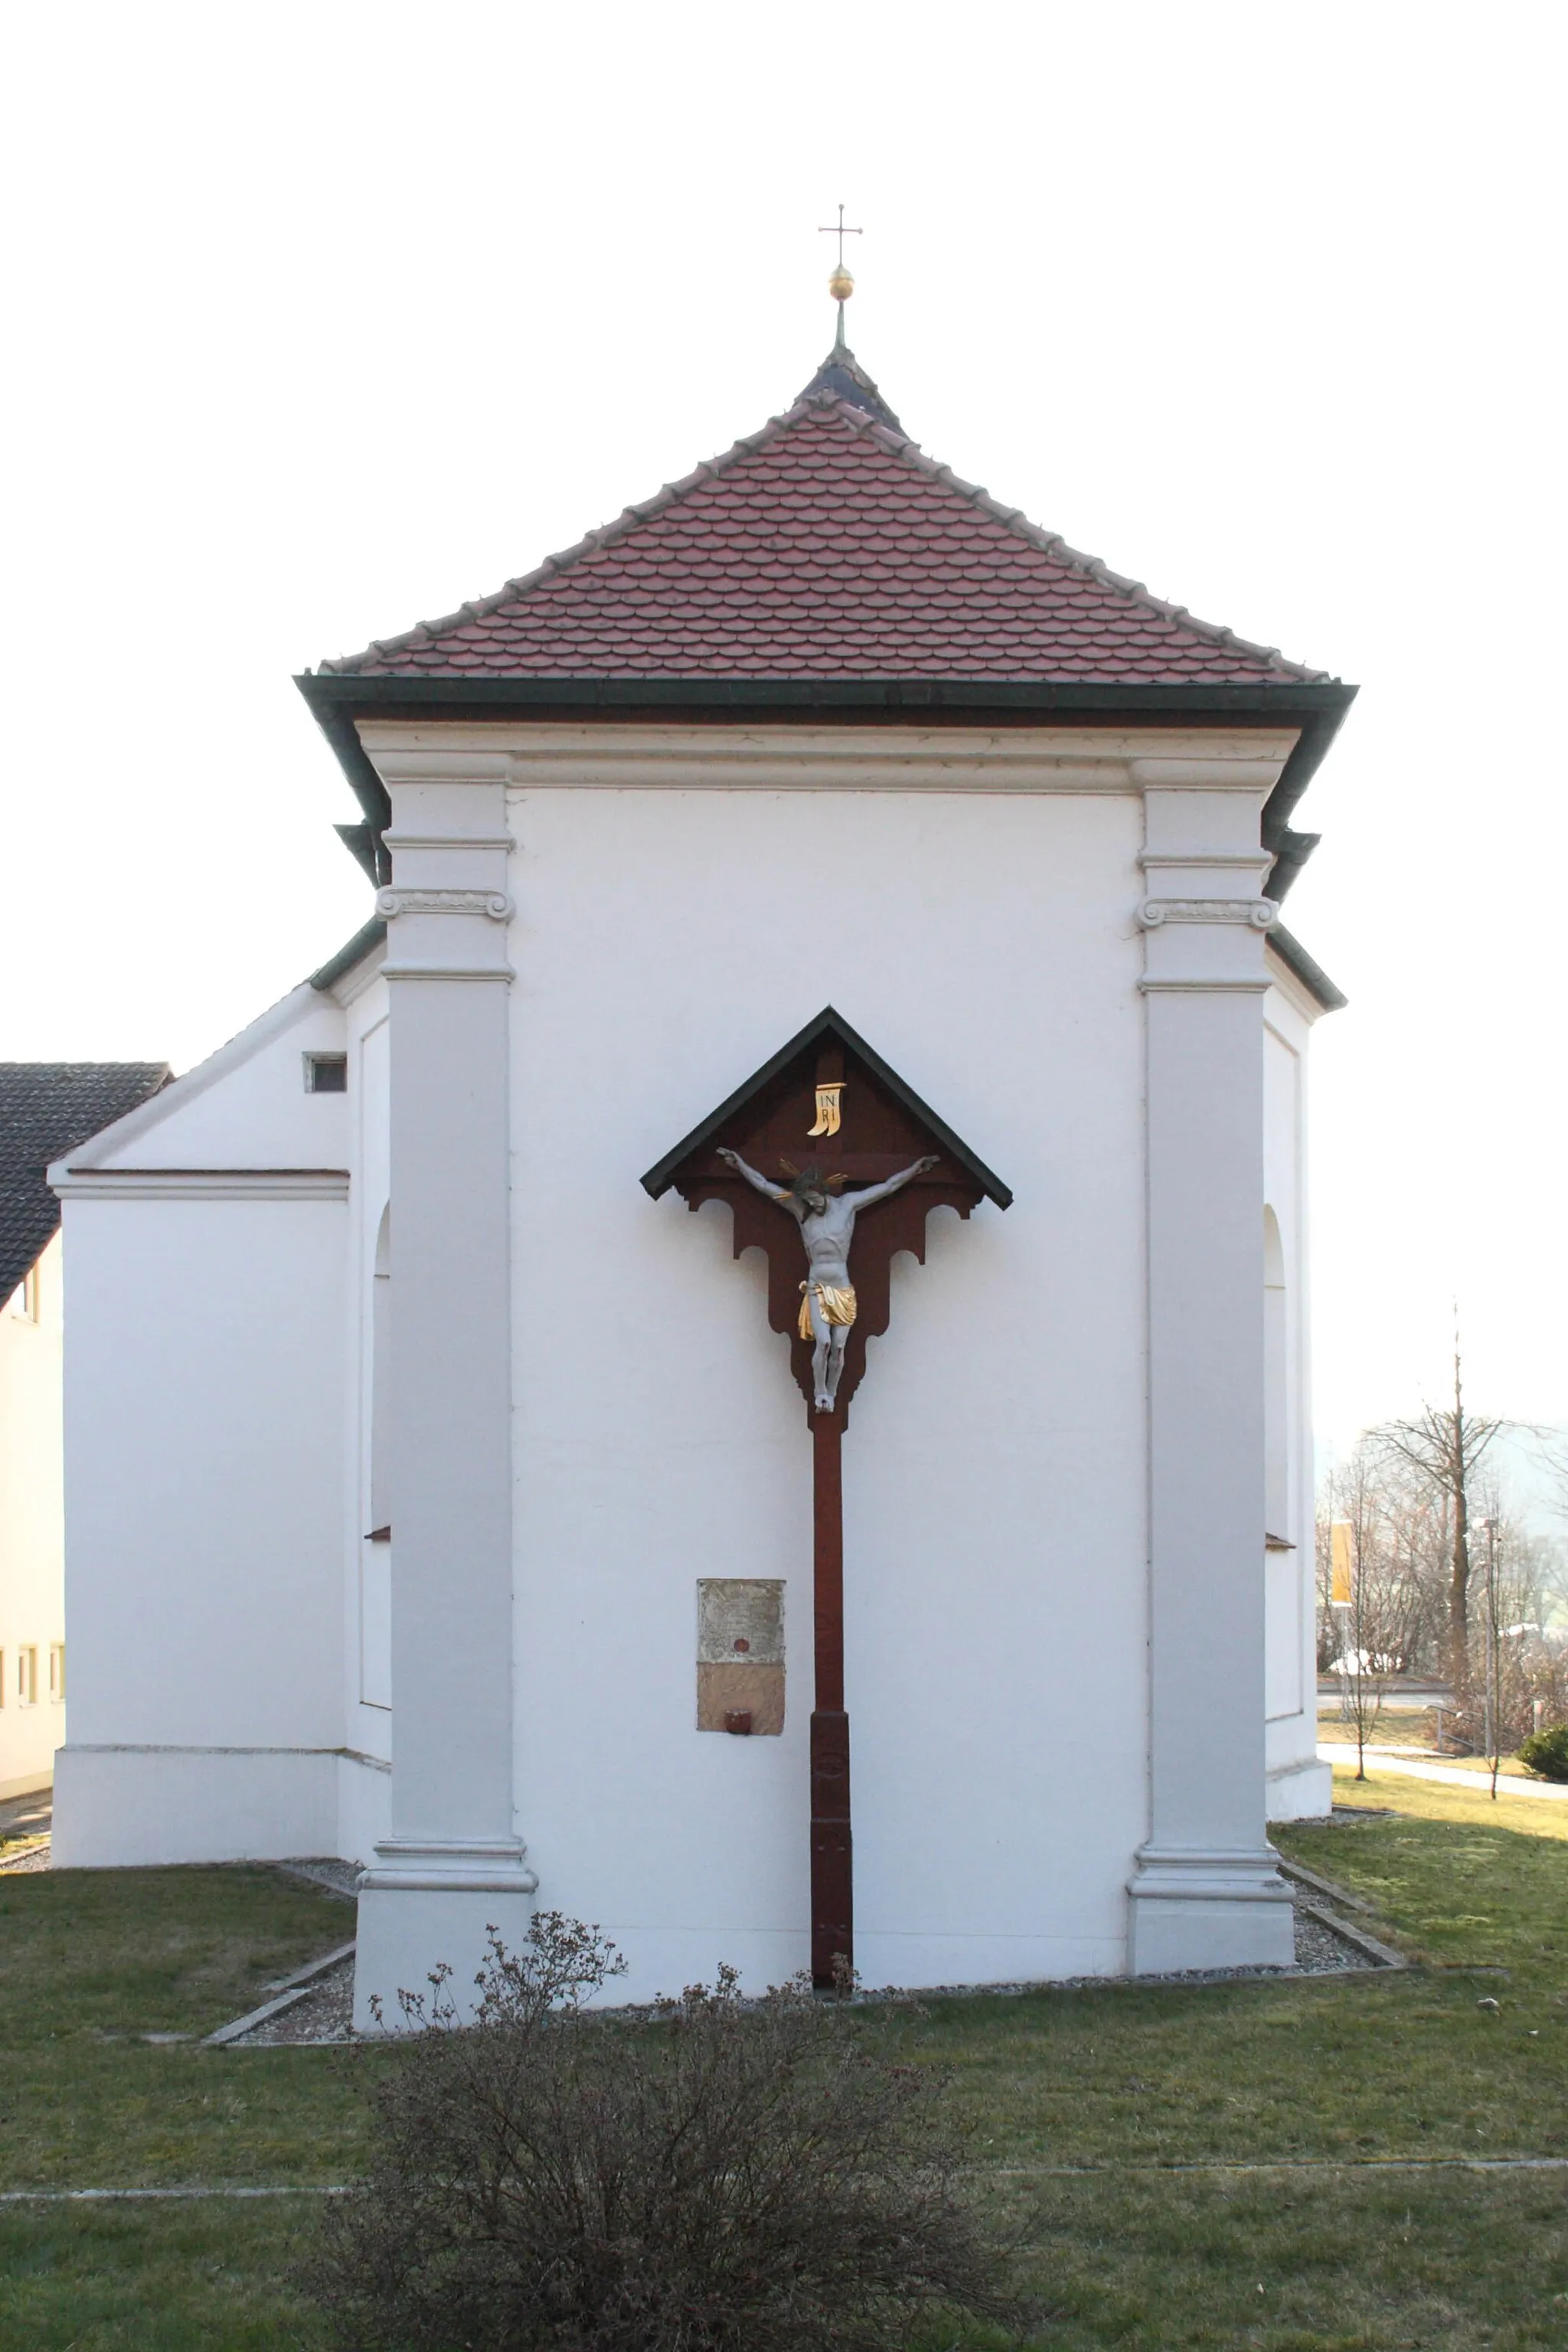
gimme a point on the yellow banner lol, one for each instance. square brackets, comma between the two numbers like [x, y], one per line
[827, 1119]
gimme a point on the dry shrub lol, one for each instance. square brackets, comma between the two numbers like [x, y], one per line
[709, 2174]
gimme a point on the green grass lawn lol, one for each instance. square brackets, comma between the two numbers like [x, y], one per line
[1079, 2103]
[89, 1960]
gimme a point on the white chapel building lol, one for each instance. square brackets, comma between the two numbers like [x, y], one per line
[416, 1457]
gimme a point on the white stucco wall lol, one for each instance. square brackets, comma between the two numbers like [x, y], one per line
[32, 1592]
[1299, 1785]
[206, 1242]
[995, 1553]
[231, 1629]
[367, 1693]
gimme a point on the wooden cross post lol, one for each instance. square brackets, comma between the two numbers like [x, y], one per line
[832, 1853]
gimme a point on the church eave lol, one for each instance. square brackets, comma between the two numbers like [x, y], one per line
[1023, 701]
[1307, 969]
[1317, 707]
[366, 941]
[828, 1024]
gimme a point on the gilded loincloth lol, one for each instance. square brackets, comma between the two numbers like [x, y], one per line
[837, 1306]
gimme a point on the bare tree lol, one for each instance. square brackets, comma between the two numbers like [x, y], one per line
[1520, 1663]
[1373, 1625]
[1445, 1446]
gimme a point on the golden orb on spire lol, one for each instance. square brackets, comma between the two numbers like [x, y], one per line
[840, 285]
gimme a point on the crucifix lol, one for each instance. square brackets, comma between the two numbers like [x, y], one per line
[890, 1160]
[840, 232]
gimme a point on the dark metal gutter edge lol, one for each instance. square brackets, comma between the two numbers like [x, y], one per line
[1310, 974]
[827, 1022]
[353, 951]
[336, 723]
[1291, 850]
[411, 695]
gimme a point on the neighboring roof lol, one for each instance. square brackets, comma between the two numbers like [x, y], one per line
[828, 1024]
[826, 546]
[47, 1109]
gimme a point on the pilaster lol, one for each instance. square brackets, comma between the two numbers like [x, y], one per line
[1204, 1892]
[453, 1864]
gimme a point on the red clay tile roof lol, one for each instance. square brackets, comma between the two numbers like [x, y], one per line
[825, 546]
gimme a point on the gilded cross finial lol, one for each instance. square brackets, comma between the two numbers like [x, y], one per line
[840, 285]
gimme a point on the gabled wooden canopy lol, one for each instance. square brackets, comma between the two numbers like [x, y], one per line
[828, 1029]
[885, 1127]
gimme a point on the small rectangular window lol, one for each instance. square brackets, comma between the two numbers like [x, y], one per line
[326, 1074]
[26, 1678]
[56, 1672]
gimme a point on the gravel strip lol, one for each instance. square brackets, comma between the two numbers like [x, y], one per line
[1319, 1951]
[325, 1870]
[322, 2014]
[325, 2014]
[34, 1857]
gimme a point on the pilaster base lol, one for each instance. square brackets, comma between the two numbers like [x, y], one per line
[424, 1905]
[1192, 1909]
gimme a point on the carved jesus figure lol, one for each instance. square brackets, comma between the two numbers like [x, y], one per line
[827, 1221]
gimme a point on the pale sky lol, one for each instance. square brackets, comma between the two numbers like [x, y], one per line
[326, 317]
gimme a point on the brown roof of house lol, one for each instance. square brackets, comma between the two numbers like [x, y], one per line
[825, 546]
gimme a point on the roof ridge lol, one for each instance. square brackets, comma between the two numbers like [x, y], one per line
[5, 1067]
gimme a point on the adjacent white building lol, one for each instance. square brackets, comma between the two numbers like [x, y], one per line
[45, 1108]
[401, 1426]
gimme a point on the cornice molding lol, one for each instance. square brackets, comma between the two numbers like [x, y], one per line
[527, 755]
[501, 971]
[397, 840]
[203, 1184]
[1258, 861]
[1182, 987]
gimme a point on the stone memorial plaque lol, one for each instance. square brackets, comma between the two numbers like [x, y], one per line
[740, 1654]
